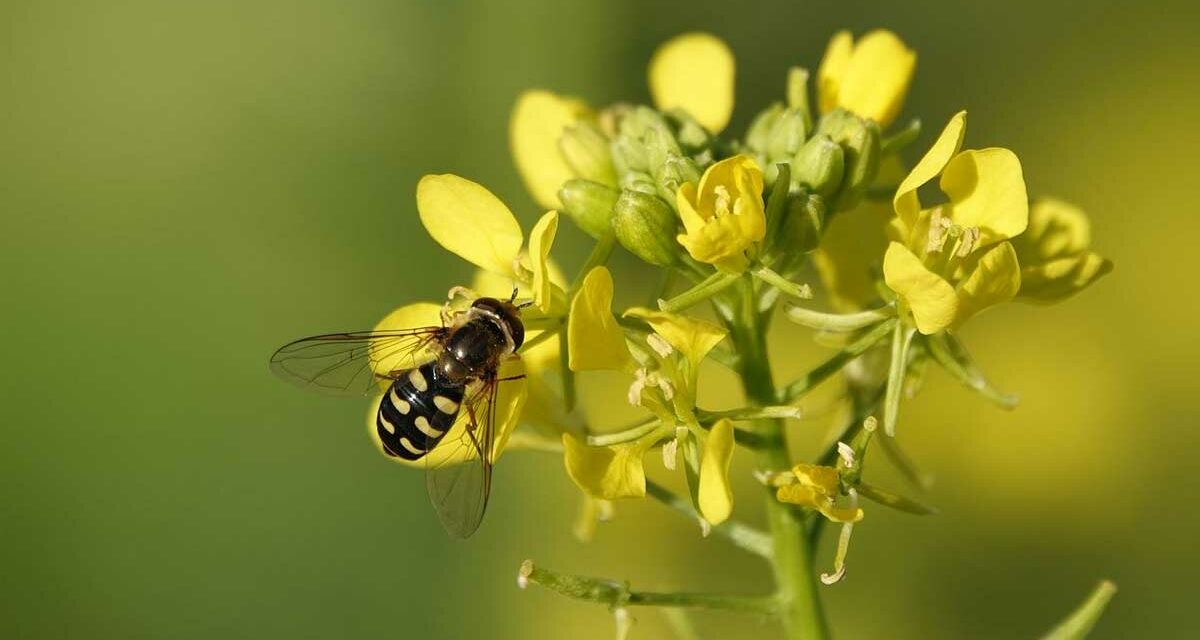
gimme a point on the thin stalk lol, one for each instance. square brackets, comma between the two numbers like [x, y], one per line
[599, 256]
[618, 594]
[770, 277]
[709, 287]
[831, 366]
[741, 535]
[795, 578]
[839, 322]
[636, 432]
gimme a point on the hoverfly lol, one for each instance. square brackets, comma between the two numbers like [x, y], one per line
[435, 376]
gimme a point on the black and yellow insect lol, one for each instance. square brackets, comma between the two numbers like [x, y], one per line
[437, 376]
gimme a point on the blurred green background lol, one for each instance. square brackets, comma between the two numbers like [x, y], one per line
[185, 186]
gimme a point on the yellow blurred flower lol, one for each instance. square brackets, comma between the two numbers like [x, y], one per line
[723, 216]
[1055, 253]
[869, 78]
[538, 121]
[694, 72]
[949, 262]
[817, 487]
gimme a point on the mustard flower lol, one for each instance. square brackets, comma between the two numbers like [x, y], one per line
[1055, 253]
[949, 262]
[723, 215]
[816, 487]
[869, 78]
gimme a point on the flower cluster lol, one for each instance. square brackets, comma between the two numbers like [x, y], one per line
[733, 223]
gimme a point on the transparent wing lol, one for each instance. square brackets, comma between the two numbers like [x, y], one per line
[458, 472]
[352, 363]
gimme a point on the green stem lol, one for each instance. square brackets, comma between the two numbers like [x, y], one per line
[618, 594]
[769, 276]
[795, 578]
[599, 256]
[709, 287]
[831, 366]
[636, 432]
[840, 322]
[741, 535]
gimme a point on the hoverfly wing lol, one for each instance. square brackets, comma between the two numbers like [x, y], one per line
[458, 473]
[353, 363]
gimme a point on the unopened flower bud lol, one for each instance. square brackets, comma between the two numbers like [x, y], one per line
[646, 226]
[819, 165]
[586, 151]
[802, 227]
[797, 93]
[675, 171]
[589, 204]
[760, 129]
[787, 136]
[859, 140]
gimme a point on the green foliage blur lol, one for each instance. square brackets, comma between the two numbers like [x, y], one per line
[186, 186]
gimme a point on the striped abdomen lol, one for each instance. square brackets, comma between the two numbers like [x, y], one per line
[416, 413]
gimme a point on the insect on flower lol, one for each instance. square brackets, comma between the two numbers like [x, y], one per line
[436, 377]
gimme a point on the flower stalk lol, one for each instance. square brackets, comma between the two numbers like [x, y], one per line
[618, 594]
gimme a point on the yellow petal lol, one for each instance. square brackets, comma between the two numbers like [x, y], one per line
[798, 494]
[694, 72]
[841, 515]
[540, 240]
[1060, 279]
[931, 299]
[875, 80]
[905, 202]
[715, 496]
[833, 69]
[606, 473]
[469, 221]
[995, 279]
[987, 190]
[537, 122]
[824, 480]
[510, 400]
[691, 337]
[1056, 230]
[594, 338]
[410, 316]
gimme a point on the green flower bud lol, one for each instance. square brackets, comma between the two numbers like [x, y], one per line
[691, 135]
[760, 129]
[673, 173]
[589, 204]
[787, 136]
[797, 93]
[859, 140]
[803, 223]
[586, 151]
[819, 165]
[646, 226]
